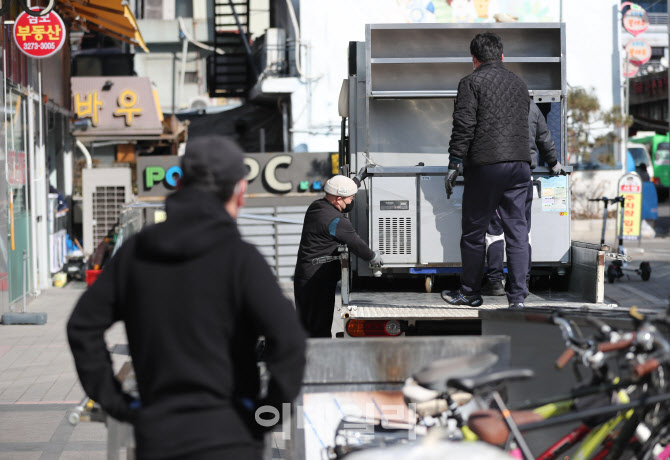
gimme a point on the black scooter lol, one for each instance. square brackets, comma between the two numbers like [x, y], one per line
[616, 268]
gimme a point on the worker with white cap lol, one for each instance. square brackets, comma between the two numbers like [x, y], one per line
[324, 229]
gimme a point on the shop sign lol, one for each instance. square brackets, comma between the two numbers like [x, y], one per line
[639, 51]
[630, 187]
[630, 67]
[270, 174]
[653, 87]
[123, 106]
[39, 37]
[635, 20]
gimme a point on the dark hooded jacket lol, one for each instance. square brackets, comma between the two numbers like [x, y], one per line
[194, 298]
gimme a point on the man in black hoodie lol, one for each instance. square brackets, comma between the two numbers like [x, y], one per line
[194, 299]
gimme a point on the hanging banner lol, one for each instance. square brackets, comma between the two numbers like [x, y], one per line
[635, 20]
[39, 37]
[630, 187]
[639, 51]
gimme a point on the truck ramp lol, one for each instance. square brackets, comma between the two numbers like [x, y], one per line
[421, 305]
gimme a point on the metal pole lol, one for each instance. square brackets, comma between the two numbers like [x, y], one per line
[262, 139]
[182, 76]
[624, 159]
[25, 273]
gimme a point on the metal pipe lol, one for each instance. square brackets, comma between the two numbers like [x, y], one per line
[261, 135]
[244, 215]
[25, 274]
[182, 76]
[284, 117]
[85, 152]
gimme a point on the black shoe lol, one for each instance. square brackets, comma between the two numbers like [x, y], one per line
[493, 288]
[516, 305]
[456, 298]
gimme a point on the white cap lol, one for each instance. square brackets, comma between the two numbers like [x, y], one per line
[340, 186]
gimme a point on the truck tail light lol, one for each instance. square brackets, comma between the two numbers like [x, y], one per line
[656, 181]
[373, 328]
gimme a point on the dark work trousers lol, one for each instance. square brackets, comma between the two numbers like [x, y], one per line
[501, 186]
[496, 248]
[235, 452]
[315, 303]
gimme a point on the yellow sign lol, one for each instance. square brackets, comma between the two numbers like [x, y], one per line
[88, 106]
[127, 101]
[630, 187]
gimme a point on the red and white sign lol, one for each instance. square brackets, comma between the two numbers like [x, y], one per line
[39, 37]
[639, 51]
[632, 69]
[635, 20]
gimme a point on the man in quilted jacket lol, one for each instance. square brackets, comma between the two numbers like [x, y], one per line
[490, 145]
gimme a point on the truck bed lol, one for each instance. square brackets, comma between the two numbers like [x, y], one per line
[422, 306]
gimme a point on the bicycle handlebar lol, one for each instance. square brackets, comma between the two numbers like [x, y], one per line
[614, 346]
[605, 347]
[604, 199]
[565, 358]
[568, 332]
[646, 367]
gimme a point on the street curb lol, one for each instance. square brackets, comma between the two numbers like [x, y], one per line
[24, 318]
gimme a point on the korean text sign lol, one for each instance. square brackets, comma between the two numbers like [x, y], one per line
[39, 37]
[630, 187]
[116, 105]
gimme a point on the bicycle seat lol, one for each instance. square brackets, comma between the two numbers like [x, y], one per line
[489, 425]
[471, 384]
[435, 375]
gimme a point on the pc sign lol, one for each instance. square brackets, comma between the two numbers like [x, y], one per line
[39, 37]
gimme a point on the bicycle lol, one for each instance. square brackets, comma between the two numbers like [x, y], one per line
[608, 429]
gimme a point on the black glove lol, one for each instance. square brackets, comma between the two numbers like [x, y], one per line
[377, 260]
[558, 169]
[362, 173]
[450, 178]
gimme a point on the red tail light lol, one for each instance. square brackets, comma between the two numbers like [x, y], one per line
[656, 181]
[373, 328]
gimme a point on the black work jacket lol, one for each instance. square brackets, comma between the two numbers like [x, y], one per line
[490, 117]
[324, 228]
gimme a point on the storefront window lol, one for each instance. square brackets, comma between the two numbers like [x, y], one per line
[18, 213]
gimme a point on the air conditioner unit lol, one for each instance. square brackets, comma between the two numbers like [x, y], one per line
[275, 51]
[199, 102]
[105, 191]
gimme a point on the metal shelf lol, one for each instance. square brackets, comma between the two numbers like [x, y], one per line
[412, 94]
[458, 60]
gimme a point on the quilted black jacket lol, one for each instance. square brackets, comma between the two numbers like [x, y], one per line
[490, 117]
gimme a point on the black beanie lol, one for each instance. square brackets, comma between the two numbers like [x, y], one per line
[213, 163]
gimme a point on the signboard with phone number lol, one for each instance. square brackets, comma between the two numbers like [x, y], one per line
[39, 37]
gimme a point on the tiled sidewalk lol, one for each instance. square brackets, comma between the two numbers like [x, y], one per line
[38, 384]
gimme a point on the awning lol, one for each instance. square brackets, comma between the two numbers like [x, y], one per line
[109, 17]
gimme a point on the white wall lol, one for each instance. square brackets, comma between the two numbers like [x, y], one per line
[327, 28]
